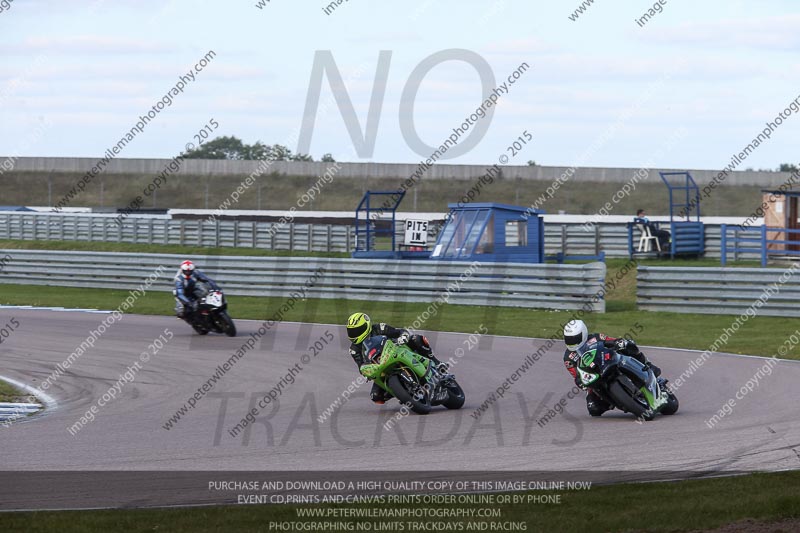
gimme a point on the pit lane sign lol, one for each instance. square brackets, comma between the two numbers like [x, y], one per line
[416, 233]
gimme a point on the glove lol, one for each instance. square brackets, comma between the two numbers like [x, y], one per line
[193, 305]
[402, 339]
[579, 383]
[620, 345]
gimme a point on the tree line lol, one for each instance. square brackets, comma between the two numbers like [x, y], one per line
[234, 148]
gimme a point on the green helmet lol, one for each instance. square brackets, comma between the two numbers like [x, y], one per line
[359, 327]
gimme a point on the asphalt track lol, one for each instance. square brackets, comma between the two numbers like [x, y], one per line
[761, 433]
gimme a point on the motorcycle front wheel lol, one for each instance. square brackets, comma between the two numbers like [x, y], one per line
[226, 324]
[455, 395]
[410, 392]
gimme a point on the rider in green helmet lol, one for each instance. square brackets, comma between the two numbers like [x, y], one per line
[360, 328]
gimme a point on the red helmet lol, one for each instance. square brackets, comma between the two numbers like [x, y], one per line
[187, 267]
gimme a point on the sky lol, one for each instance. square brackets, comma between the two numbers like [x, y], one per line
[600, 90]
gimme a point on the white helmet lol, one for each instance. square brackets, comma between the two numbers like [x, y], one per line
[575, 334]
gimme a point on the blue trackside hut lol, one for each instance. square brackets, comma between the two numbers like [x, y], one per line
[491, 232]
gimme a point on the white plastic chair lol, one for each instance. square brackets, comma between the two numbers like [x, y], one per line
[647, 240]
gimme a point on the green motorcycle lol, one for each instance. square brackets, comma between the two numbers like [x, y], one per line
[410, 377]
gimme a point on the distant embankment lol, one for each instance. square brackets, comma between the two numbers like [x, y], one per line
[43, 181]
[211, 167]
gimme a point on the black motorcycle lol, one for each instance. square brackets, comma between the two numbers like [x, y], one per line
[211, 312]
[624, 382]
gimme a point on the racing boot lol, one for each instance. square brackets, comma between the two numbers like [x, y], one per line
[596, 405]
[378, 395]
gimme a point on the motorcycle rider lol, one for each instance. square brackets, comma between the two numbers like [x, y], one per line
[576, 334]
[186, 281]
[360, 328]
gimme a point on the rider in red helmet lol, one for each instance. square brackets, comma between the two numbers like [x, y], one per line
[186, 281]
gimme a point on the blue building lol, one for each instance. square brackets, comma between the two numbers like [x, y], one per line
[491, 232]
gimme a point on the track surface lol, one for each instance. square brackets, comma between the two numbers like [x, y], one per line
[760, 434]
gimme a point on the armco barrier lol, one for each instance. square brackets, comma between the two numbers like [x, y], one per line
[571, 238]
[728, 291]
[490, 284]
[161, 229]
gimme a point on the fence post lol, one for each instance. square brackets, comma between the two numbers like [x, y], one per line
[291, 236]
[764, 245]
[597, 240]
[273, 232]
[310, 237]
[330, 235]
[564, 239]
[182, 231]
[723, 244]
[253, 236]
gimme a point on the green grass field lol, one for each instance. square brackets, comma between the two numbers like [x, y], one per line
[759, 336]
[16, 244]
[679, 506]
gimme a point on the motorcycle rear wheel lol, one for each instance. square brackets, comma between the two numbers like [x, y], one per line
[421, 406]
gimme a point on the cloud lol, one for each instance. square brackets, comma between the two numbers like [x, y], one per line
[754, 33]
[89, 44]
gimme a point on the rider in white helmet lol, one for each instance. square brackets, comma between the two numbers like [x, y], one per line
[576, 334]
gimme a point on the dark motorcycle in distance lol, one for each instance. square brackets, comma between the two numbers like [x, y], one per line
[624, 382]
[211, 312]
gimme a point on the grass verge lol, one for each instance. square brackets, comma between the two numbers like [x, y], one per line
[758, 336]
[152, 248]
[677, 506]
[11, 394]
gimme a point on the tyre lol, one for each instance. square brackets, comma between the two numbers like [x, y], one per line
[624, 400]
[200, 329]
[418, 399]
[672, 405]
[226, 324]
[455, 395]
